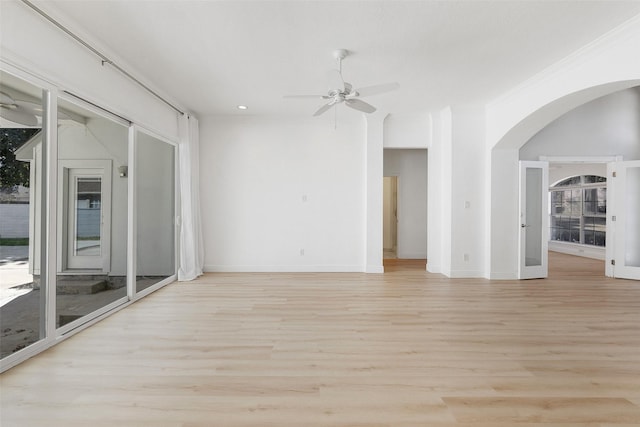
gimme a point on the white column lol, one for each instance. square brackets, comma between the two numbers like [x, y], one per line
[503, 209]
[457, 193]
[373, 181]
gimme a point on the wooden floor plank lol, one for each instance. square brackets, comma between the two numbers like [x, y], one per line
[407, 348]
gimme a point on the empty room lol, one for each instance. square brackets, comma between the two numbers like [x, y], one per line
[319, 213]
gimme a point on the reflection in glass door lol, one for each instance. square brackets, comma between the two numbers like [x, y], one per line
[85, 221]
[22, 190]
[92, 214]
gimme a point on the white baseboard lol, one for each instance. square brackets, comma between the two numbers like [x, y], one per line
[503, 275]
[212, 268]
[433, 268]
[375, 269]
[586, 251]
[467, 274]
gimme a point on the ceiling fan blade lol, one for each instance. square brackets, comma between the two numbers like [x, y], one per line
[323, 109]
[30, 107]
[307, 96]
[19, 116]
[359, 105]
[6, 99]
[377, 89]
[336, 82]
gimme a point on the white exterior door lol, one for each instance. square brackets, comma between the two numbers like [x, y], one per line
[534, 220]
[623, 221]
[85, 223]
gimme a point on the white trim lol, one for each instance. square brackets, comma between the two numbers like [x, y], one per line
[586, 251]
[504, 275]
[49, 213]
[212, 268]
[580, 159]
[375, 269]
[465, 274]
[131, 214]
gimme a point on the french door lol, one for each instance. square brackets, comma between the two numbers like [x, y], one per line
[623, 225]
[534, 218]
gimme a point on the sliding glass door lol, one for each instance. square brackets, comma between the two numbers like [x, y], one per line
[155, 211]
[92, 213]
[22, 290]
[87, 214]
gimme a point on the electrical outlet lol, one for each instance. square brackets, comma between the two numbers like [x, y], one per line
[466, 257]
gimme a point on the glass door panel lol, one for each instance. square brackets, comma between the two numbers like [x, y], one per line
[155, 211]
[22, 187]
[632, 217]
[533, 227]
[92, 214]
[534, 219]
[88, 216]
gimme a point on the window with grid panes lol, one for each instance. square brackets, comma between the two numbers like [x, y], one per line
[578, 210]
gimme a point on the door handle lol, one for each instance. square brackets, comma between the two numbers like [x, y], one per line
[524, 226]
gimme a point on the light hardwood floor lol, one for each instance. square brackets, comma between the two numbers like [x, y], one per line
[406, 348]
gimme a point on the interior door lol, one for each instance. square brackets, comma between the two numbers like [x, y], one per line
[623, 225]
[534, 220]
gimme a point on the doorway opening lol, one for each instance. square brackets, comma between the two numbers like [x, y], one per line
[390, 217]
[578, 216]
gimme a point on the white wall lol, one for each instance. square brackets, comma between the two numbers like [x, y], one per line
[607, 126]
[410, 166]
[272, 187]
[407, 130]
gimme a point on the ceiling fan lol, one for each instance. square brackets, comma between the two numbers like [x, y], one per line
[21, 112]
[341, 92]
[26, 113]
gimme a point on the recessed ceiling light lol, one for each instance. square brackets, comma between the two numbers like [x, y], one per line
[242, 107]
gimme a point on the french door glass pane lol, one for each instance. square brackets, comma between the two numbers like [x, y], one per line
[155, 210]
[533, 230]
[88, 214]
[22, 292]
[632, 202]
[92, 213]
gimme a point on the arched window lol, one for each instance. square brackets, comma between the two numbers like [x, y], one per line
[579, 210]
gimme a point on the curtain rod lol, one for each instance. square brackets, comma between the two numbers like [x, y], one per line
[103, 58]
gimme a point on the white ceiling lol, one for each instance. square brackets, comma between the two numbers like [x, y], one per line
[213, 55]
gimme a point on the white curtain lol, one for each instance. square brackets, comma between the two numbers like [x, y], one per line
[191, 244]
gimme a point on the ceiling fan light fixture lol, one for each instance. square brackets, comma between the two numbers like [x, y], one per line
[341, 92]
[242, 107]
